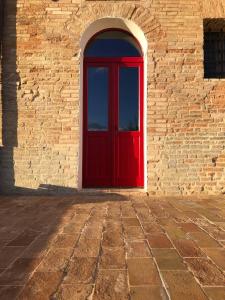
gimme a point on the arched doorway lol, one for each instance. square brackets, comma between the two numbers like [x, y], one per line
[113, 154]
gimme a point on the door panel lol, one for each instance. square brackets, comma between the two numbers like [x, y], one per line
[97, 153]
[113, 123]
[129, 136]
[98, 167]
[129, 164]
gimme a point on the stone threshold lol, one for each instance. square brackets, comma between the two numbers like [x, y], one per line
[113, 190]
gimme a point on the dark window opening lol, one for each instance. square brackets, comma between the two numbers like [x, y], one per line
[113, 43]
[214, 48]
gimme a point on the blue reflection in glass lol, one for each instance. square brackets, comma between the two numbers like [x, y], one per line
[111, 48]
[98, 98]
[128, 99]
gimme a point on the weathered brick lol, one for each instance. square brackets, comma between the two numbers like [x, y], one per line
[41, 86]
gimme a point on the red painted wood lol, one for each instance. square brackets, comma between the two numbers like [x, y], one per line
[114, 59]
[129, 162]
[113, 158]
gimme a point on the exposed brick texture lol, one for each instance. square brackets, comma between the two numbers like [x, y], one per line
[41, 94]
[38, 260]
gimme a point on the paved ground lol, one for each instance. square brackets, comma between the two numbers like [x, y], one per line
[111, 247]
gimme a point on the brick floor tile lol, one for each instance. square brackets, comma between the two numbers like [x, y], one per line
[26, 222]
[148, 293]
[19, 271]
[114, 211]
[111, 285]
[81, 218]
[113, 225]
[159, 241]
[74, 292]
[9, 292]
[206, 272]
[174, 231]
[189, 227]
[217, 255]
[178, 216]
[137, 249]
[182, 286]
[112, 258]
[82, 212]
[8, 255]
[204, 240]
[166, 222]
[3, 242]
[81, 271]
[157, 211]
[168, 259]
[130, 222]
[215, 232]
[63, 240]
[188, 248]
[93, 231]
[128, 213]
[41, 286]
[134, 233]
[142, 271]
[192, 215]
[87, 247]
[72, 228]
[144, 214]
[7, 234]
[221, 225]
[215, 293]
[43, 225]
[98, 212]
[210, 215]
[39, 247]
[24, 239]
[151, 227]
[94, 222]
[112, 238]
[55, 260]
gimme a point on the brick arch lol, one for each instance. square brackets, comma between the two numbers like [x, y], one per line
[119, 23]
[142, 17]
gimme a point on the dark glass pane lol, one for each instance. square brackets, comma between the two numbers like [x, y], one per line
[98, 98]
[128, 99]
[214, 54]
[113, 44]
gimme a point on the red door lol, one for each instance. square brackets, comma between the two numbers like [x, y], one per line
[113, 122]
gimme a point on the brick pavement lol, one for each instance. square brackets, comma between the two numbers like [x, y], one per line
[112, 247]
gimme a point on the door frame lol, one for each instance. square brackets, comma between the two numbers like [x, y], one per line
[111, 62]
[93, 28]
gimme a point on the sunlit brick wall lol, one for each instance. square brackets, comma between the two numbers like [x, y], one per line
[185, 112]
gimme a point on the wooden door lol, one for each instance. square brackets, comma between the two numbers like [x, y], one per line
[113, 123]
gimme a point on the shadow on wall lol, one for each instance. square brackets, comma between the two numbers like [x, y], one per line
[10, 82]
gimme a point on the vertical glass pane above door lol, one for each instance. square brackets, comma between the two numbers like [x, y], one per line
[98, 98]
[129, 99]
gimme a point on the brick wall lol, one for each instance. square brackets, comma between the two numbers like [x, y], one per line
[41, 88]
